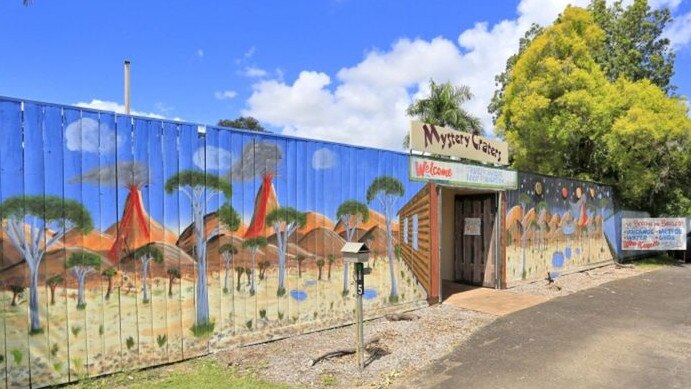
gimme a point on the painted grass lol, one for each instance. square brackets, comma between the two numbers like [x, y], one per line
[200, 373]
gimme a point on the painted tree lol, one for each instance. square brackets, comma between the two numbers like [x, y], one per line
[320, 266]
[444, 107]
[173, 274]
[227, 251]
[386, 190]
[146, 255]
[109, 273]
[199, 188]
[240, 271]
[300, 259]
[81, 264]
[254, 244]
[524, 200]
[330, 259]
[263, 267]
[16, 289]
[285, 221]
[53, 282]
[351, 213]
[40, 214]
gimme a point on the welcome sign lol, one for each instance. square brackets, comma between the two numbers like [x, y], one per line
[461, 175]
[653, 234]
[445, 141]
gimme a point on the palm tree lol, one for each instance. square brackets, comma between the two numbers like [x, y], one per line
[254, 244]
[300, 258]
[351, 213]
[444, 107]
[40, 213]
[285, 221]
[320, 266]
[199, 188]
[109, 273]
[53, 283]
[330, 260]
[146, 254]
[386, 190]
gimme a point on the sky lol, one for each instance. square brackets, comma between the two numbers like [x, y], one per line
[337, 70]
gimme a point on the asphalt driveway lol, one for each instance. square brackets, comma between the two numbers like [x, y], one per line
[631, 333]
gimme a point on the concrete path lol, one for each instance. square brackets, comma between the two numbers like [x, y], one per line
[630, 333]
[493, 301]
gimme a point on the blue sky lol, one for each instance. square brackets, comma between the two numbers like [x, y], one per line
[335, 70]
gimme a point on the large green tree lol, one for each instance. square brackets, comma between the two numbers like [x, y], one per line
[82, 263]
[41, 215]
[562, 115]
[444, 107]
[285, 221]
[242, 122]
[635, 46]
[146, 254]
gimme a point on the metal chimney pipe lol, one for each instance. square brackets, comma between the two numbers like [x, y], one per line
[127, 87]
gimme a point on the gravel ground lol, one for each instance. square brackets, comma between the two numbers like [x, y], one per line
[404, 347]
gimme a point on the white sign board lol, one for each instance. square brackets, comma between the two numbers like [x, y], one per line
[653, 234]
[461, 175]
[445, 141]
[472, 226]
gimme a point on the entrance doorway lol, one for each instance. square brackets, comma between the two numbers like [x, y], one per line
[474, 218]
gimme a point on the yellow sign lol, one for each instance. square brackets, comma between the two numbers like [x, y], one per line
[445, 141]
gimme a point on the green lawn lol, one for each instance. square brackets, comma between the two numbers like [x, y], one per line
[199, 373]
[655, 262]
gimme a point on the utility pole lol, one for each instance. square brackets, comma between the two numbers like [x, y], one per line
[127, 87]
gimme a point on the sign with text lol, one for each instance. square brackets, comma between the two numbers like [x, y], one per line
[472, 226]
[445, 141]
[461, 175]
[653, 234]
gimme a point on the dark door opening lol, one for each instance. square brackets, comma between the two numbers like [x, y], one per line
[474, 217]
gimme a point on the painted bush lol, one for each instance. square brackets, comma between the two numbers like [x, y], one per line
[555, 225]
[129, 242]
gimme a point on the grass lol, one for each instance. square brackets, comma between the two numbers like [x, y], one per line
[199, 373]
[654, 262]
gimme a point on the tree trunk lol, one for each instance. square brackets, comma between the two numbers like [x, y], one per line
[225, 279]
[328, 272]
[346, 279]
[202, 295]
[52, 294]
[110, 288]
[145, 280]
[33, 299]
[320, 274]
[254, 266]
[14, 299]
[170, 285]
[239, 281]
[81, 304]
[389, 248]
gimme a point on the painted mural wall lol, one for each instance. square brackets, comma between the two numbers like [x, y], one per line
[130, 242]
[555, 225]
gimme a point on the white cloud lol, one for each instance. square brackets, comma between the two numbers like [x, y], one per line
[225, 95]
[679, 32]
[112, 106]
[200, 53]
[323, 159]
[253, 71]
[212, 158]
[86, 134]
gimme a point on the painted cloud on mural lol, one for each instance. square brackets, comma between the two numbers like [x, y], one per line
[212, 158]
[88, 135]
[323, 159]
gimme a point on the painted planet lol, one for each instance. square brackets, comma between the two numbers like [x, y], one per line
[369, 294]
[558, 259]
[310, 283]
[564, 192]
[579, 193]
[567, 252]
[578, 251]
[538, 188]
[299, 295]
[592, 192]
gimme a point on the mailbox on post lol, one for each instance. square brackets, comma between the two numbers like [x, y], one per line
[358, 254]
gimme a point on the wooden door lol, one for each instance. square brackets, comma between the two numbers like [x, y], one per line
[473, 230]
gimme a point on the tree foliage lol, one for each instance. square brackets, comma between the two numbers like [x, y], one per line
[352, 208]
[51, 209]
[228, 248]
[385, 185]
[194, 178]
[83, 259]
[229, 217]
[563, 116]
[242, 122]
[287, 215]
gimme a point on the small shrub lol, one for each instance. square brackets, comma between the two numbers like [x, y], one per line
[78, 365]
[2, 358]
[161, 340]
[225, 290]
[331, 306]
[204, 329]
[315, 314]
[33, 332]
[129, 342]
[81, 306]
[295, 318]
[54, 350]
[262, 313]
[328, 379]
[281, 292]
[249, 324]
[101, 329]
[402, 274]
[280, 315]
[393, 299]
[17, 355]
[57, 366]
[344, 293]
[76, 330]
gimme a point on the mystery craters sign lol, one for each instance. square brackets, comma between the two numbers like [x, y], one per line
[653, 234]
[445, 141]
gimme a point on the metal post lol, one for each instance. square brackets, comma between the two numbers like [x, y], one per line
[359, 331]
[127, 87]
